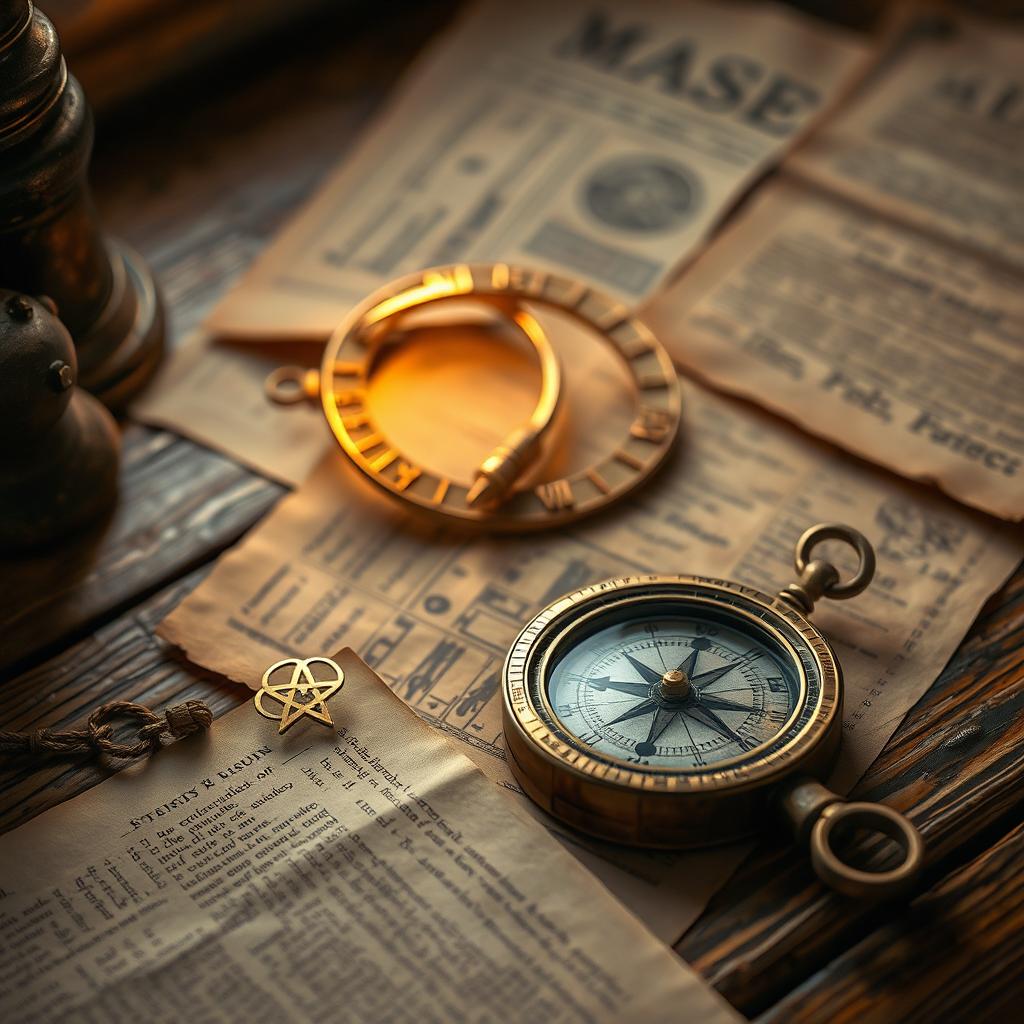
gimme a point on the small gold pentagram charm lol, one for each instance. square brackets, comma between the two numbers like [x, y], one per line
[302, 684]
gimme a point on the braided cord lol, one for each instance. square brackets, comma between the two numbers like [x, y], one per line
[97, 738]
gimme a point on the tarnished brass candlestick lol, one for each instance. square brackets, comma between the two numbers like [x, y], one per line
[51, 242]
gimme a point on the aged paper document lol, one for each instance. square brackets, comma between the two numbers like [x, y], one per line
[213, 393]
[604, 144]
[367, 873]
[602, 141]
[899, 347]
[937, 137]
[434, 613]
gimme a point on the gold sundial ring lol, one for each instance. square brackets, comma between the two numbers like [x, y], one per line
[497, 499]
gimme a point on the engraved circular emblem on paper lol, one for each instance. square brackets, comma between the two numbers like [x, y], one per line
[642, 193]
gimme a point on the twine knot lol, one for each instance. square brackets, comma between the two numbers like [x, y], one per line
[98, 736]
[185, 719]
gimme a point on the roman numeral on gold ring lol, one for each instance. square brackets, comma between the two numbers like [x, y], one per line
[556, 495]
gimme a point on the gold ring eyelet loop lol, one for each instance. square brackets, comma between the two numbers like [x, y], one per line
[292, 385]
[855, 882]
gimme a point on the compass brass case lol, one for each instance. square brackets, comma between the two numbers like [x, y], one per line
[680, 805]
[666, 808]
[342, 386]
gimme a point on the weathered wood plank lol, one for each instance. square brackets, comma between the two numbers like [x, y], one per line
[123, 660]
[202, 198]
[180, 505]
[771, 927]
[957, 954]
[955, 766]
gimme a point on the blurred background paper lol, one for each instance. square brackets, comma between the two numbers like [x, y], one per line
[936, 137]
[899, 347]
[875, 296]
[605, 142]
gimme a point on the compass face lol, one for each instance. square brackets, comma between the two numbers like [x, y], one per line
[631, 706]
[673, 691]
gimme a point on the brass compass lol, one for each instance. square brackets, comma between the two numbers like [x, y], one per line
[497, 497]
[681, 711]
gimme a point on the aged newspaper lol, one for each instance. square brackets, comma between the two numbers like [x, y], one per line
[213, 393]
[363, 873]
[937, 138]
[434, 613]
[603, 141]
[901, 348]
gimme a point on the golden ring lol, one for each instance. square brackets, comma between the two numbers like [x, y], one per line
[491, 500]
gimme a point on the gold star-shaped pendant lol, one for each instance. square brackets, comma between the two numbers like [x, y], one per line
[314, 693]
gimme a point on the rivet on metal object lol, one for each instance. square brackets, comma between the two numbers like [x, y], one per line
[61, 375]
[19, 309]
[963, 736]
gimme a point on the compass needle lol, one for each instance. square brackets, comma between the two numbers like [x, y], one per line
[644, 708]
[713, 700]
[714, 674]
[646, 673]
[708, 718]
[689, 664]
[607, 683]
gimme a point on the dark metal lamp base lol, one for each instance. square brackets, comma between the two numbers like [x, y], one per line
[122, 350]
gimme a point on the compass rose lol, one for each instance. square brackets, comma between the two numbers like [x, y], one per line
[302, 695]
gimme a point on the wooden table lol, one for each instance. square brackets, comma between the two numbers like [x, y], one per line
[198, 179]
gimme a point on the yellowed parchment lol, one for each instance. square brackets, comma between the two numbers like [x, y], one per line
[936, 136]
[602, 141]
[434, 613]
[363, 873]
[901, 348]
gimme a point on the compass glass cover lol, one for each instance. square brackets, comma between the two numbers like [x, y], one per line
[670, 686]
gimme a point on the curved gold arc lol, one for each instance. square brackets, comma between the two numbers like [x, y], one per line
[496, 477]
[493, 500]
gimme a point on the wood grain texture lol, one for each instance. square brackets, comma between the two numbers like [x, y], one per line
[955, 767]
[957, 774]
[122, 660]
[957, 954]
[199, 178]
[179, 506]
